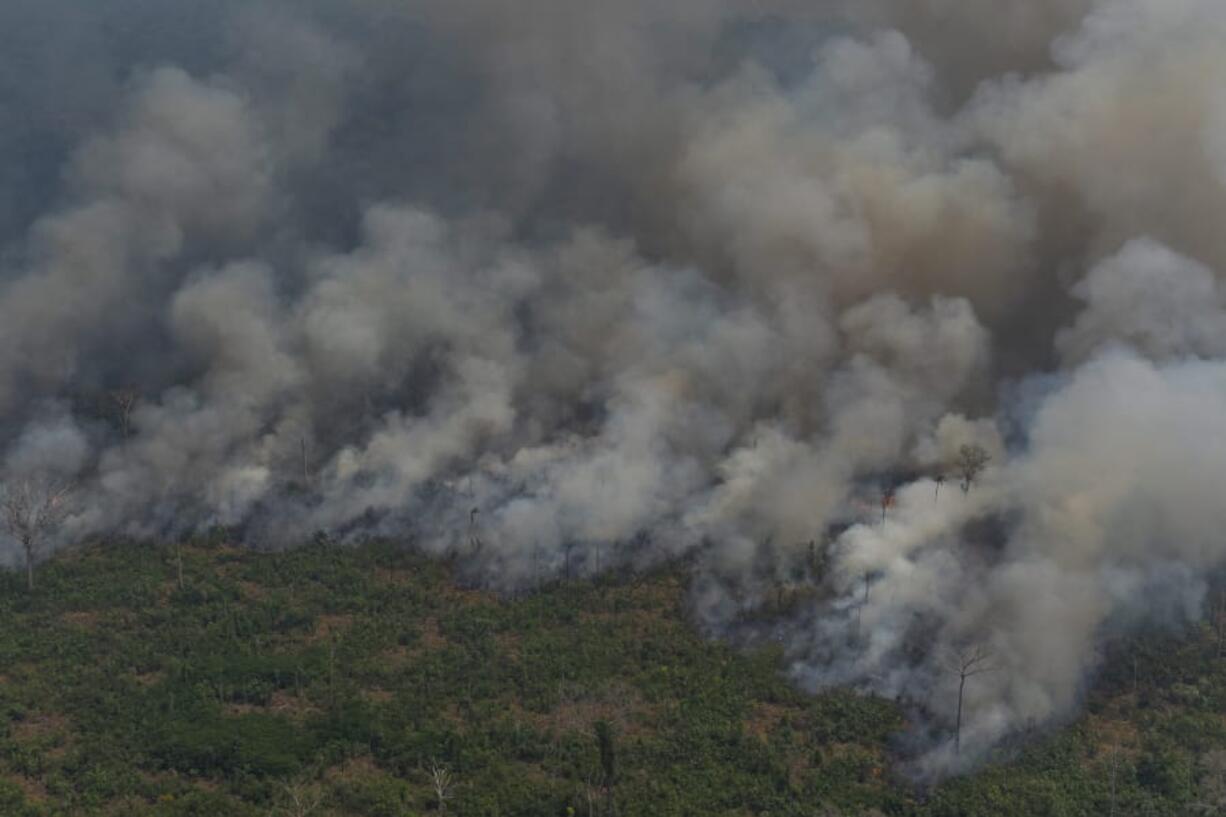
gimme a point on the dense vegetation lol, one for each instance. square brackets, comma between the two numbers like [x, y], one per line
[336, 681]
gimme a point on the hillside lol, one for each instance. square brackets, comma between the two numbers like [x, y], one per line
[271, 682]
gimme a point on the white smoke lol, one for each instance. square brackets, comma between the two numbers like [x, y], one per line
[574, 287]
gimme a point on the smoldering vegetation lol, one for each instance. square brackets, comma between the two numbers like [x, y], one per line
[556, 288]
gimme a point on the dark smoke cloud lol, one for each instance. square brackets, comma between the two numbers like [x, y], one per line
[562, 287]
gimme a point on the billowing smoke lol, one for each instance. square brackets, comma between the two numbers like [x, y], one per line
[559, 287]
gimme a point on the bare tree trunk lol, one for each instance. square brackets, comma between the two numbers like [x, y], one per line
[1114, 763]
[591, 800]
[958, 725]
[1221, 623]
[861, 606]
[971, 661]
[32, 511]
[125, 400]
[332, 672]
[442, 781]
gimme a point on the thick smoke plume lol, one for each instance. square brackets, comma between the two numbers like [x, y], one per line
[561, 287]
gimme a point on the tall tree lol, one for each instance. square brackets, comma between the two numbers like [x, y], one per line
[301, 798]
[608, 761]
[474, 530]
[971, 461]
[34, 507]
[969, 662]
[125, 401]
[442, 781]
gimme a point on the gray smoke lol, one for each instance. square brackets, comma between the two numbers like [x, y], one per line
[568, 287]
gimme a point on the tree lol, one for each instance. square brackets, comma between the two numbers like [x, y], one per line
[567, 549]
[125, 401]
[868, 583]
[474, 532]
[34, 507]
[591, 793]
[971, 461]
[887, 502]
[306, 464]
[1212, 794]
[442, 781]
[608, 761]
[1115, 764]
[1219, 622]
[179, 560]
[968, 663]
[301, 799]
[939, 479]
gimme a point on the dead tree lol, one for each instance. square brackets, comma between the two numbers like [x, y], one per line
[972, 460]
[125, 401]
[1115, 762]
[608, 763]
[567, 550]
[1219, 622]
[1212, 794]
[301, 799]
[972, 661]
[868, 582]
[306, 465]
[442, 781]
[474, 532]
[34, 507]
[591, 793]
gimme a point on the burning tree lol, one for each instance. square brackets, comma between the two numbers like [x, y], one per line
[34, 507]
[888, 498]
